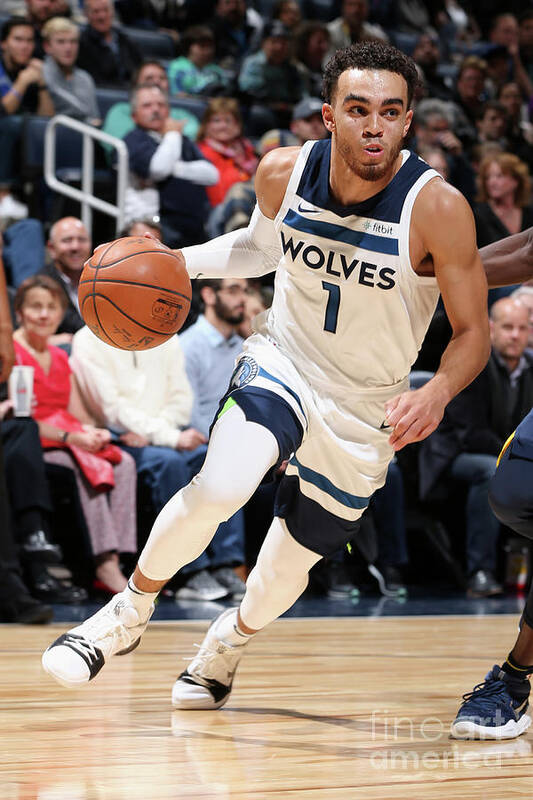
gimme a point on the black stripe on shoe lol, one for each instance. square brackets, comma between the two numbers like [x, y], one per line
[93, 656]
[217, 689]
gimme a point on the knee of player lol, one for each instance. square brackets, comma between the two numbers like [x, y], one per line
[508, 500]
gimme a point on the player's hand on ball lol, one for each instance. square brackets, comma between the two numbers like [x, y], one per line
[190, 439]
[413, 415]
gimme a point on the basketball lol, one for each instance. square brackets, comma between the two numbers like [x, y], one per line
[134, 293]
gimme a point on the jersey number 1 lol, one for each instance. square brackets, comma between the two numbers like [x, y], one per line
[332, 307]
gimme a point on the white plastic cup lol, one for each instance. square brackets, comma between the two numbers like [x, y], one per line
[21, 390]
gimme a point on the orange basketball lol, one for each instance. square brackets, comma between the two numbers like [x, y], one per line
[134, 293]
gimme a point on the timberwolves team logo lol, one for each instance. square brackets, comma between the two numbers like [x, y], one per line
[244, 373]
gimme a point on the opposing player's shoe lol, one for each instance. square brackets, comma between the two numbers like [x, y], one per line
[494, 709]
[206, 683]
[77, 656]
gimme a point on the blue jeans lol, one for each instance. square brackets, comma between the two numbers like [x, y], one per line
[482, 527]
[23, 250]
[165, 471]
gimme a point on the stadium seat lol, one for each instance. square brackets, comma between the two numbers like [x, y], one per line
[68, 151]
[108, 97]
[152, 44]
[195, 105]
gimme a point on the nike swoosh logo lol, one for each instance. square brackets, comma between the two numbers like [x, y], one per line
[307, 210]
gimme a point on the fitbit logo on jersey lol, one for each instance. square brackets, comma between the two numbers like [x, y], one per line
[337, 264]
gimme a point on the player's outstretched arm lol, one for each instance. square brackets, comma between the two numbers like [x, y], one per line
[510, 260]
[253, 251]
[459, 272]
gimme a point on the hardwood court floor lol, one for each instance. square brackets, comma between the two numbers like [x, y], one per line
[323, 709]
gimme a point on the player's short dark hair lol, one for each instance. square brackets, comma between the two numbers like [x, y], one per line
[369, 55]
[14, 22]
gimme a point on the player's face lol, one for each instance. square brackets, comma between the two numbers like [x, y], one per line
[41, 313]
[230, 300]
[70, 245]
[509, 332]
[369, 119]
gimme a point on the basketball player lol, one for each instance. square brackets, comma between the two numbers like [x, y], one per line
[362, 235]
[496, 708]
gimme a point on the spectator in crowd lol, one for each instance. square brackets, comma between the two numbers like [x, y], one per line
[427, 56]
[433, 127]
[255, 303]
[476, 424]
[525, 40]
[307, 122]
[288, 12]
[72, 89]
[271, 78]
[119, 122]
[524, 294]
[106, 492]
[69, 246]
[31, 508]
[312, 42]
[16, 601]
[470, 92]
[146, 399]
[138, 227]
[22, 247]
[38, 12]
[22, 86]
[492, 123]
[353, 26]
[504, 198]
[168, 172]
[211, 347]
[22, 90]
[519, 132]
[237, 31]
[436, 158]
[195, 72]
[105, 51]
[221, 141]
[504, 33]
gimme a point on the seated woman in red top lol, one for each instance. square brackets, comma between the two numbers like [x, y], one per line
[221, 141]
[107, 493]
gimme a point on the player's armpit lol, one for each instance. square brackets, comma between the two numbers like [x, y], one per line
[462, 283]
[272, 178]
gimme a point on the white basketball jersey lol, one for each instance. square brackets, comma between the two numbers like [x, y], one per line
[349, 310]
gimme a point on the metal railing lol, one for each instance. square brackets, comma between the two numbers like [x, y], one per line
[86, 195]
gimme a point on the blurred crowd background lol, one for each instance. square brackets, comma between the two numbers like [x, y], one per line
[200, 91]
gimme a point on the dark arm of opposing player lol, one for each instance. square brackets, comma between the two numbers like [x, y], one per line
[510, 260]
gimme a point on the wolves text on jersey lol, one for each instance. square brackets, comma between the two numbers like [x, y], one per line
[338, 265]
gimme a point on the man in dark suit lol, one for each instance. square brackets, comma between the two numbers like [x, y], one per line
[106, 52]
[69, 246]
[476, 424]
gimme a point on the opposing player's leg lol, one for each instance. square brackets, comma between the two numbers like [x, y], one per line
[240, 453]
[497, 707]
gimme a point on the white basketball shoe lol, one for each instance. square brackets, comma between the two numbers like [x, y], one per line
[77, 656]
[207, 681]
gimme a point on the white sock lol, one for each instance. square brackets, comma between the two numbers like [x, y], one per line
[142, 601]
[230, 633]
